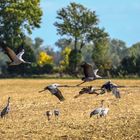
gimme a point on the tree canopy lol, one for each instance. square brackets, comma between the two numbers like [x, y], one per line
[79, 24]
[18, 17]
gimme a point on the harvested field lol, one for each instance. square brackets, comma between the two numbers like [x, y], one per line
[26, 120]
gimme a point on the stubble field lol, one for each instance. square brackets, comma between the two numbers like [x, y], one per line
[26, 120]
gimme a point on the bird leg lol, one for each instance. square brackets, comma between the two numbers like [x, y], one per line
[41, 90]
[76, 96]
[81, 83]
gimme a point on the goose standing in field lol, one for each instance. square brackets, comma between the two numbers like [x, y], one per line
[56, 113]
[108, 87]
[101, 111]
[6, 109]
[89, 72]
[104, 111]
[55, 91]
[98, 110]
[15, 58]
[49, 115]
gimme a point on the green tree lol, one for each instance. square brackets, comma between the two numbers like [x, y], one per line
[17, 17]
[101, 56]
[118, 50]
[65, 62]
[134, 50]
[37, 46]
[3, 60]
[80, 25]
[63, 43]
[131, 63]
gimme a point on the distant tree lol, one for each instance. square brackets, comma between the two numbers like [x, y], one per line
[65, 62]
[87, 53]
[38, 42]
[3, 64]
[17, 17]
[118, 50]
[81, 26]
[44, 58]
[101, 56]
[45, 63]
[37, 46]
[49, 50]
[130, 64]
[62, 43]
[134, 50]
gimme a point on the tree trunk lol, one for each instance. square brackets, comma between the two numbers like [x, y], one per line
[75, 43]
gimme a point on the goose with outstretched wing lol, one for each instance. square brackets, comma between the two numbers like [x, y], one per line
[111, 87]
[53, 88]
[15, 58]
[89, 73]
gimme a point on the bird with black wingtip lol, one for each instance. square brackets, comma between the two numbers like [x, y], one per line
[16, 59]
[87, 90]
[90, 74]
[110, 87]
[53, 88]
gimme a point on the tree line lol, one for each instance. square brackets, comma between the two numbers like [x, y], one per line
[82, 40]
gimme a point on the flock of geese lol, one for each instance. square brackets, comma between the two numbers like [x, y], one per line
[90, 74]
[101, 111]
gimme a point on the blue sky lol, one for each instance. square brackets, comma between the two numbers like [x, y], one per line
[120, 18]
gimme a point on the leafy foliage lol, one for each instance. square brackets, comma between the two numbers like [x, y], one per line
[44, 58]
[17, 17]
[75, 58]
[101, 56]
[80, 25]
[65, 62]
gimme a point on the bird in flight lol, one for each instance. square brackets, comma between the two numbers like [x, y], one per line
[89, 73]
[53, 88]
[87, 90]
[108, 87]
[15, 58]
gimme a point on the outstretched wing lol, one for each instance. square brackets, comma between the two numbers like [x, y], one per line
[20, 48]
[95, 71]
[58, 94]
[107, 86]
[88, 70]
[19, 55]
[84, 90]
[11, 54]
[116, 92]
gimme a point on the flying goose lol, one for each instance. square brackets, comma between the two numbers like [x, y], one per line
[55, 91]
[15, 58]
[89, 72]
[108, 87]
[6, 109]
[87, 90]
